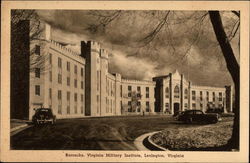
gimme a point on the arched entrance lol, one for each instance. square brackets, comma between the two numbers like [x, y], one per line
[176, 107]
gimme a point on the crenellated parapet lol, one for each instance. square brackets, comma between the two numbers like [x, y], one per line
[95, 46]
[104, 53]
[62, 49]
[143, 82]
[209, 88]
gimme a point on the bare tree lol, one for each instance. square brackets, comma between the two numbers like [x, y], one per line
[163, 21]
[232, 66]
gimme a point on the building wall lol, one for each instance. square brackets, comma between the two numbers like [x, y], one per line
[60, 83]
[177, 94]
[144, 90]
[78, 85]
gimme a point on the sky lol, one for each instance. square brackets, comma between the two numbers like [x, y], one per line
[185, 42]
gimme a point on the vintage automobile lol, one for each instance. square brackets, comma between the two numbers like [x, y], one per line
[215, 110]
[190, 116]
[43, 116]
[176, 115]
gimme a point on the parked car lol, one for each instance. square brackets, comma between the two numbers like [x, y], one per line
[190, 116]
[215, 110]
[43, 115]
[177, 114]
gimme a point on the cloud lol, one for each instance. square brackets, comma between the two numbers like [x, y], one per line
[131, 67]
[204, 65]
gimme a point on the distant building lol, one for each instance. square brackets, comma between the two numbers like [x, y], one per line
[174, 93]
[44, 73]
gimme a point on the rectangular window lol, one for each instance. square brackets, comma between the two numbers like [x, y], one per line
[37, 90]
[37, 50]
[68, 81]
[81, 71]
[75, 97]
[193, 95]
[129, 106]
[193, 105]
[60, 78]
[68, 96]
[213, 96]
[59, 95]
[167, 106]
[50, 76]
[68, 109]
[129, 103]
[68, 66]
[121, 90]
[147, 92]
[147, 106]
[75, 69]
[201, 98]
[50, 58]
[75, 83]
[97, 80]
[201, 105]
[207, 96]
[97, 101]
[138, 103]
[37, 72]
[186, 105]
[220, 96]
[59, 62]
[50, 93]
[129, 91]
[81, 84]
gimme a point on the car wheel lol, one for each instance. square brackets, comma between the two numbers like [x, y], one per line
[215, 120]
[190, 120]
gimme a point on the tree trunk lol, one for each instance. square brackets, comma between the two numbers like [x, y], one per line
[234, 69]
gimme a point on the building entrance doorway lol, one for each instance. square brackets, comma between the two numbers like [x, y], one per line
[176, 107]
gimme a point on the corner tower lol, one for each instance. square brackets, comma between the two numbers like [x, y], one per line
[90, 50]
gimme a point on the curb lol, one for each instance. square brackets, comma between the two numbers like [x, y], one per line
[144, 143]
[138, 142]
[18, 127]
[157, 146]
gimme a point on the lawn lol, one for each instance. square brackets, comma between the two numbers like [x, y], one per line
[106, 133]
[209, 137]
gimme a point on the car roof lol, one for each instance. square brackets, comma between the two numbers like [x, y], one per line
[44, 109]
[192, 110]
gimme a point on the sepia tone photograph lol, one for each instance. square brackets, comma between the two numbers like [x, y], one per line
[125, 80]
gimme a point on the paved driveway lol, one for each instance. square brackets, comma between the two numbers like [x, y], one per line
[107, 133]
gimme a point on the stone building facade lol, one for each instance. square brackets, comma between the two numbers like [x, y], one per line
[174, 93]
[78, 85]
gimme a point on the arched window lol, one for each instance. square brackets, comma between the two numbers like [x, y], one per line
[186, 93]
[176, 92]
[167, 92]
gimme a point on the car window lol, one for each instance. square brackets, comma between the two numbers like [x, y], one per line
[189, 112]
[198, 112]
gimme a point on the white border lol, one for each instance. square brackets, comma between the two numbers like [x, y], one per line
[58, 155]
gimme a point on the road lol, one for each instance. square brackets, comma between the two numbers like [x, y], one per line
[106, 133]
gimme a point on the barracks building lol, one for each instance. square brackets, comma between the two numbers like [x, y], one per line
[44, 73]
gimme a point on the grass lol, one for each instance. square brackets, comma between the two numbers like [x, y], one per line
[209, 137]
[106, 133]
